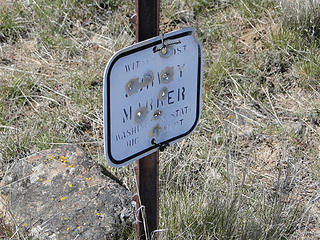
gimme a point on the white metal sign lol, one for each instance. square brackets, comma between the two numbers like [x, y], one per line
[152, 95]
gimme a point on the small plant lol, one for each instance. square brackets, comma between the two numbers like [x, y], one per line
[12, 23]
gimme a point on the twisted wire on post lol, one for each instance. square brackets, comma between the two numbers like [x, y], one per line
[140, 209]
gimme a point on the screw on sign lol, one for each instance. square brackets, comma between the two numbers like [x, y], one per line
[152, 98]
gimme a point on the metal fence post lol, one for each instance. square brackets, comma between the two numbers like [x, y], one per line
[147, 169]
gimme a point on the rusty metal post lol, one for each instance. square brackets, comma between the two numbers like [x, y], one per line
[147, 19]
[147, 169]
[147, 173]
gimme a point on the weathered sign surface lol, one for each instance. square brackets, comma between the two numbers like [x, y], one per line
[152, 95]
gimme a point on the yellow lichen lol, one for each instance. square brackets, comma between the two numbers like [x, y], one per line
[70, 166]
[63, 159]
[63, 198]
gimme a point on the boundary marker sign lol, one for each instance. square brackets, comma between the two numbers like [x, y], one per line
[152, 95]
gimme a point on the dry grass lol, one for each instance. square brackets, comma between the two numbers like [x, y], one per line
[252, 168]
[303, 16]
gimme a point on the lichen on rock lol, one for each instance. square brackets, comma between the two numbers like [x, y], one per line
[62, 194]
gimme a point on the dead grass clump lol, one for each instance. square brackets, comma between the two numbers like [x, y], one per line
[223, 195]
[303, 16]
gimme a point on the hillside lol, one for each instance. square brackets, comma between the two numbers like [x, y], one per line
[252, 168]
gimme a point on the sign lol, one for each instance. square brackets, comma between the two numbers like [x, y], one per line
[152, 95]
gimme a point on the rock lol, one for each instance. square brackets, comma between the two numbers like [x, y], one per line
[61, 194]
